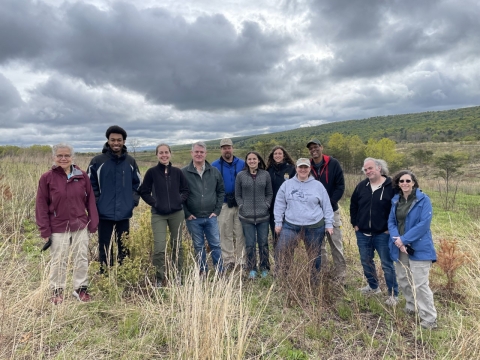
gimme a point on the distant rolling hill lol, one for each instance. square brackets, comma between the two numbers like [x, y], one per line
[437, 126]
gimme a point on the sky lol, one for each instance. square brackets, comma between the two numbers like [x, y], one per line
[182, 71]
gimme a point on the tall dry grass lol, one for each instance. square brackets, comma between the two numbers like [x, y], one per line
[224, 317]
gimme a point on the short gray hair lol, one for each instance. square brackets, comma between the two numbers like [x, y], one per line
[63, 146]
[201, 144]
[379, 163]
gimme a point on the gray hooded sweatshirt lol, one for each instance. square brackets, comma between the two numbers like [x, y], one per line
[303, 203]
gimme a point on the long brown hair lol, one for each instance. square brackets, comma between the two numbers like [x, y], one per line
[261, 163]
[286, 156]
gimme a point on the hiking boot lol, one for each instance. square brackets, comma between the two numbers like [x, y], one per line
[82, 295]
[409, 311]
[428, 324]
[252, 274]
[392, 301]
[57, 297]
[367, 290]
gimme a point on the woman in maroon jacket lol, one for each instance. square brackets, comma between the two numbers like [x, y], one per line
[65, 213]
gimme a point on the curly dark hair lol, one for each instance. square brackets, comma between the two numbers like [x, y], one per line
[286, 156]
[397, 177]
[115, 129]
[261, 163]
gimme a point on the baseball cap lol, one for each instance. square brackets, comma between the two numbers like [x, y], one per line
[314, 141]
[303, 161]
[226, 141]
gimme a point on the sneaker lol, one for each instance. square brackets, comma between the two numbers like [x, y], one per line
[392, 301]
[82, 295]
[428, 324]
[252, 275]
[409, 311]
[367, 290]
[264, 273]
[57, 297]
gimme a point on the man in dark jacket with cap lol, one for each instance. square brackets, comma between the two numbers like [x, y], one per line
[115, 179]
[328, 171]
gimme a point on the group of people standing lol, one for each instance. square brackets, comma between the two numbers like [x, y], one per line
[231, 204]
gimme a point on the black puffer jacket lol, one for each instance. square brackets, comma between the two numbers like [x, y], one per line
[254, 196]
[369, 211]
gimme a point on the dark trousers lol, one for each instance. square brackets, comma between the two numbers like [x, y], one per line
[105, 230]
[256, 234]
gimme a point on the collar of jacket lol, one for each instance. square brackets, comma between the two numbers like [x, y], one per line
[192, 168]
[162, 166]
[234, 161]
[75, 170]
[107, 149]
[326, 160]
[388, 181]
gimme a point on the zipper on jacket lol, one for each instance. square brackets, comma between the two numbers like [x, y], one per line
[254, 199]
[123, 178]
[167, 179]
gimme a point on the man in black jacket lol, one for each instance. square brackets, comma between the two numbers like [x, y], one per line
[328, 171]
[369, 210]
[115, 179]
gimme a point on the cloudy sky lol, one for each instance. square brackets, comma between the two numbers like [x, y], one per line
[179, 71]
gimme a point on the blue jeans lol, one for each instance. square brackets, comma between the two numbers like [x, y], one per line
[201, 228]
[288, 241]
[256, 233]
[366, 247]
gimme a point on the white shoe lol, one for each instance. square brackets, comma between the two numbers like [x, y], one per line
[367, 290]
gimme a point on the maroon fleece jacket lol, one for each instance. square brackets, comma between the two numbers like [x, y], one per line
[65, 204]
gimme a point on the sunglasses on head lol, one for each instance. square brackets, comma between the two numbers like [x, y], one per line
[408, 181]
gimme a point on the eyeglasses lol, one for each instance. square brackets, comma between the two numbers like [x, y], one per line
[59, 156]
[408, 181]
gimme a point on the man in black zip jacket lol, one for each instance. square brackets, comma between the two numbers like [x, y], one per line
[328, 171]
[369, 210]
[115, 179]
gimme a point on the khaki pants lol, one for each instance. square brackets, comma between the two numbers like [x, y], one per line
[412, 277]
[61, 243]
[230, 227]
[336, 246]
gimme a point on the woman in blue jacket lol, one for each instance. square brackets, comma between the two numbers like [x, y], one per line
[411, 246]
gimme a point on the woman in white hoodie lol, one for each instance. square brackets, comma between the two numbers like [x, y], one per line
[302, 211]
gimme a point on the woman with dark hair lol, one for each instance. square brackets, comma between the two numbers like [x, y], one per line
[253, 193]
[411, 246]
[165, 189]
[65, 212]
[281, 167]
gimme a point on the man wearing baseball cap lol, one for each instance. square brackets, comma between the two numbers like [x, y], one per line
[233, 252]
[328, 171]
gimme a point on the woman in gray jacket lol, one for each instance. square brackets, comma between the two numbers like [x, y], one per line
[253, 193]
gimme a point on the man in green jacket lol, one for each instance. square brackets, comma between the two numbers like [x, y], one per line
[203, 206]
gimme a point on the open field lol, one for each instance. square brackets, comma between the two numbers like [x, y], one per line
[229, 317]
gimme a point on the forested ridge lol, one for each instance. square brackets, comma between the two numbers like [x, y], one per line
[438, 126]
